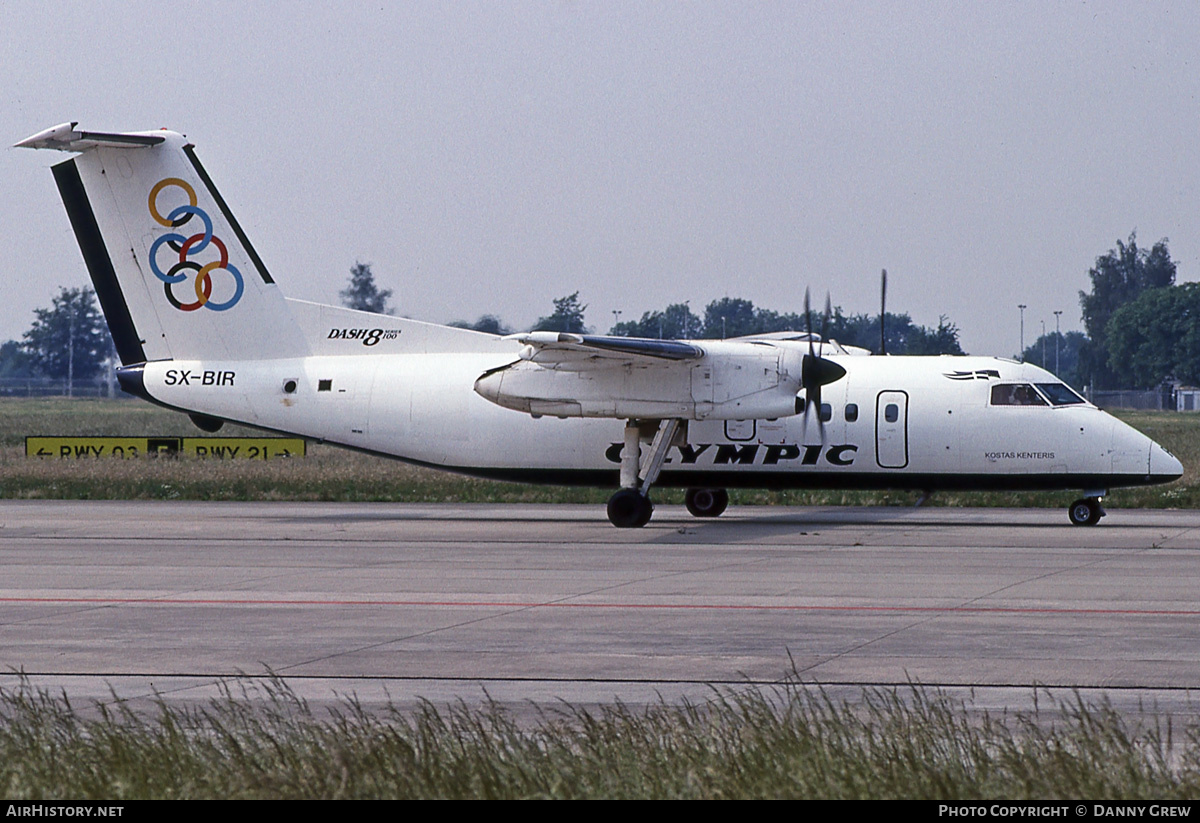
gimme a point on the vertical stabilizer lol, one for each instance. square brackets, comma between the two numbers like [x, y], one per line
[175, 274]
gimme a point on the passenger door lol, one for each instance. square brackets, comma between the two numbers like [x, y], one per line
[891, 429]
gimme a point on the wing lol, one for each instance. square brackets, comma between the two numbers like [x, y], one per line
[577, 352]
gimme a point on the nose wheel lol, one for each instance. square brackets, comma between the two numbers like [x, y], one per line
[1085, 512]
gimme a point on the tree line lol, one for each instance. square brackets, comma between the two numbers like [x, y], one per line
[1141, 328]
[736, 317]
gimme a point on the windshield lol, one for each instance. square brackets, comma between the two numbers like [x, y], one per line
[1016, 394]
[1060, 394]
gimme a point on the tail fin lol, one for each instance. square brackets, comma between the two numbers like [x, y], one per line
[175, 274]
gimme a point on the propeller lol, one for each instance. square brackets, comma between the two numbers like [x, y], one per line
[817, 371]
[882, 311]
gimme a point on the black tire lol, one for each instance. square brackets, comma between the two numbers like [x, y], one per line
[646, 513]
[706, 502]
[1085, 512]
[629, 509]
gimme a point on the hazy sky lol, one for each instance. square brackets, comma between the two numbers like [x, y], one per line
[488, 157]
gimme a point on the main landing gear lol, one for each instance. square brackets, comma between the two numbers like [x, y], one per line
[629, 509]
[706, 502]
[630, 506]
[1086, 511]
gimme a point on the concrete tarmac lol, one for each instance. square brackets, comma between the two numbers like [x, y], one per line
[536, 603]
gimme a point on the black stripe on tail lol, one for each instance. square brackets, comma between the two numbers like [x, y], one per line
[99, 263]
[224, 207]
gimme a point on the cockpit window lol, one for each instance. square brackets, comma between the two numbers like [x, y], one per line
[1016, 394]
[1060, 394]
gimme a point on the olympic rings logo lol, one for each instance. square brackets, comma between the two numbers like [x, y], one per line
[185, 247]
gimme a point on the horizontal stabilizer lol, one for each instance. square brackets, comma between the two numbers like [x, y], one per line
[65, 137]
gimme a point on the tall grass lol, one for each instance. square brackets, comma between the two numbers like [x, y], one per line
[265, 742]
[334, 474]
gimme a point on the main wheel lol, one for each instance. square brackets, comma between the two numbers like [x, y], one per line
[1086, 512]
[706, 502]
[629, 509]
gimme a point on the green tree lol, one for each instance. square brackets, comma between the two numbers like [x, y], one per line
[1070, 346]
[1118, 278]
[1155, 337]
[730, 317]
[942, 340]
[489, 323]
[903, 335]
[771, 321]
[567, 316]
[675, 322]
[362, 294]
[15, 361]
[69, 339]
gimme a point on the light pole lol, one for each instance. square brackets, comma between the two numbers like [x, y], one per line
[1043, 344]
[71, 351]
[1022, 307]
[1057, 335]
[616, 320]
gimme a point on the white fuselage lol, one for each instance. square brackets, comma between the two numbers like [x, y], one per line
[896, 422]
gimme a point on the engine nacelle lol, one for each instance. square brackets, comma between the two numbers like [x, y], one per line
[750, 385]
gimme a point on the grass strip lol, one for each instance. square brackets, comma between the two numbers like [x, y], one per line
[260, 740]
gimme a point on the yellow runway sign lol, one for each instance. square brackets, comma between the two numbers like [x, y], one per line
[206, 448]
[243, 448]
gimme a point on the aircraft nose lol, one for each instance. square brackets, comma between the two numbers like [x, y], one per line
[1164, 464]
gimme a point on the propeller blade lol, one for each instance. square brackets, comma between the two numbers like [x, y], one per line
[825, 321]
[816, 371]
[811, 354]
[808, 320]
[882, 311]
[815, 402]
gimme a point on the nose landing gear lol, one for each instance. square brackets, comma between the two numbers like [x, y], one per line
[1086, 511]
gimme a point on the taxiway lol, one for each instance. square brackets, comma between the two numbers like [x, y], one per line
[537, 603]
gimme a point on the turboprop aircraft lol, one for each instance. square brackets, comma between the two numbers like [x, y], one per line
[201, 327]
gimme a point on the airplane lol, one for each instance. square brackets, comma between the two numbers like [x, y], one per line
[201, 327]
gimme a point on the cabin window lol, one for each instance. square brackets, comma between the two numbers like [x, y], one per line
[826, 412]
[324, 385]
[851, 412]
[1016, 394]
[891, 412]
[1060, 394]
